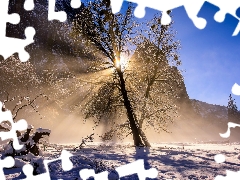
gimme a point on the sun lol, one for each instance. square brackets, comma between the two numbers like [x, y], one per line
[117, 63]
[121, 63]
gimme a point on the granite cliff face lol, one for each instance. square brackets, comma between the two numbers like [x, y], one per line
[169, 77]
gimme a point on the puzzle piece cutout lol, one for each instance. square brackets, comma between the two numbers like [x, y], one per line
[9, 46]
[192, 8]
[29, 5]
[66, 166]
[236, 89]
[136, 167]
[7, 162]
[18, 126]
[230, 175]
[61, 15]
[87, 173]
[230, 125]
[219, 158]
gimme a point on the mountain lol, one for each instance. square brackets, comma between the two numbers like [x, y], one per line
[210, 111]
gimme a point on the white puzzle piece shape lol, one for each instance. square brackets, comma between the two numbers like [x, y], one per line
[9, 46]
[7, 162]
[66, 166]
[61, 15]
[192, 8]
[18, 126]
[137, 167]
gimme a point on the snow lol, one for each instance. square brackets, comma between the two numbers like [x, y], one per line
[172, 160]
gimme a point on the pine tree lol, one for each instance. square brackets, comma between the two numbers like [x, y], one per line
[232, 109]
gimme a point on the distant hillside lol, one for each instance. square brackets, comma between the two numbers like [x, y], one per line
[210, 111]
[200, 122]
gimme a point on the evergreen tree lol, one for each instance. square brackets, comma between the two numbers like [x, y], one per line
[232, 109]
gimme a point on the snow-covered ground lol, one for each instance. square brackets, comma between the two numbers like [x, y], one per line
[172, 160]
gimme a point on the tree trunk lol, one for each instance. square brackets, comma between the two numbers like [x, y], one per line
[135, 130]
[144, 137]
[147, 94]
[140, 123]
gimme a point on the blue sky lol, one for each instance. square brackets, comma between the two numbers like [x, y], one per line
[210, 57]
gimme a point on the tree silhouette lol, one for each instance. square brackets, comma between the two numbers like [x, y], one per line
[109, 34]
[129, 86]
